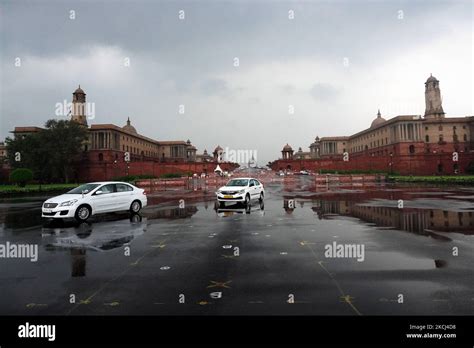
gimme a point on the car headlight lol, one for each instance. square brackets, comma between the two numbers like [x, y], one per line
[241, 191]
[68, 203]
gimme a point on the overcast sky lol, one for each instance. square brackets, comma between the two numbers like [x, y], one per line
[335, 63]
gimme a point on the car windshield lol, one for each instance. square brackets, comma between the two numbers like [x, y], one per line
[238, 182]
[83, 189]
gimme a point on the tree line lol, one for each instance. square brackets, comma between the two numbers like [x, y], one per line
[52, 153]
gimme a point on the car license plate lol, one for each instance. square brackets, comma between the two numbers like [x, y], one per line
[227, 196]
[47, 210]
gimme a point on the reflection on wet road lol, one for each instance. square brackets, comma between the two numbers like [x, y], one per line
[265, 259]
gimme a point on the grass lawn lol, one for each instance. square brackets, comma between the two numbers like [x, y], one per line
[7, 189]
[448, 179]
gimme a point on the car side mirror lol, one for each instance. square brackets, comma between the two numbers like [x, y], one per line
[98, 192]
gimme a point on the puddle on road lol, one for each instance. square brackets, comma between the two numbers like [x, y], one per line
[288, 231]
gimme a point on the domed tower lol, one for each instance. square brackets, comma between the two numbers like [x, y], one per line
[314, 148]
[218, 151]
[190, 151]
[434, 108]
[129, 128]
[378, 121]
[287, 152]
[78, 112]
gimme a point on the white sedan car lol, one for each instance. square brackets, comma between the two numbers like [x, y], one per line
[95, 198]
[240, 190]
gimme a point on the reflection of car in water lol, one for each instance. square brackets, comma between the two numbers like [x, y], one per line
[240, 190]
[95, 198]
[102, 237]
[240, 209]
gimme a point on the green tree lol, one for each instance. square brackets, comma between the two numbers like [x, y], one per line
[21, 176]
[52, 152]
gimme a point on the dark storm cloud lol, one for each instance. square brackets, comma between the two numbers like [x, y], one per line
[190, 62]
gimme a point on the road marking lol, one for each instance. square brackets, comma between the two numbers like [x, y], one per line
[228, 256]
[104, 285]
[216, 284]
[112, 304]
[346, 298]
[31, 305]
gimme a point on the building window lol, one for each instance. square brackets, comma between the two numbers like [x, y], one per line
[411, 149]
[440, 128]
[441, 138]
[427, 138]
[465, 137]
[426, 128]
[101, 157]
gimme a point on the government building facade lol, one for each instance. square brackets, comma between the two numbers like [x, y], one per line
[406, 144]
[112, 151]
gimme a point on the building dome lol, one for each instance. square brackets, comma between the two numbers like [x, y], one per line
[432, 79]
[129, 128]
[378, 121]
[79, 90]
[315, 143]
[218, 149]
[287, 148]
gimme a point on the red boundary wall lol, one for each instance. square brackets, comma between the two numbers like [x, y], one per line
[415, 164]
[112, 166]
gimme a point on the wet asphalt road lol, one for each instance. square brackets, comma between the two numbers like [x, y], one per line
[256, 262]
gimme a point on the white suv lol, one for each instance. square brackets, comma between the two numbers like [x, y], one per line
[95, 198]
[240, 190]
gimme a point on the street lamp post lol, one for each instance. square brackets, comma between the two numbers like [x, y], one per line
[391, 163]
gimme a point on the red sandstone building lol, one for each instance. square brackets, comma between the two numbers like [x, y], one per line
[407, 144]
[112, 151]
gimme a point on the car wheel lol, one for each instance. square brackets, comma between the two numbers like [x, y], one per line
[135, 207]
[247, 200]
[82, 213]
[261, 197]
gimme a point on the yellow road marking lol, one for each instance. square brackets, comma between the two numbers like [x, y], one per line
[31, 305]
[219, 284]
[346, 298]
